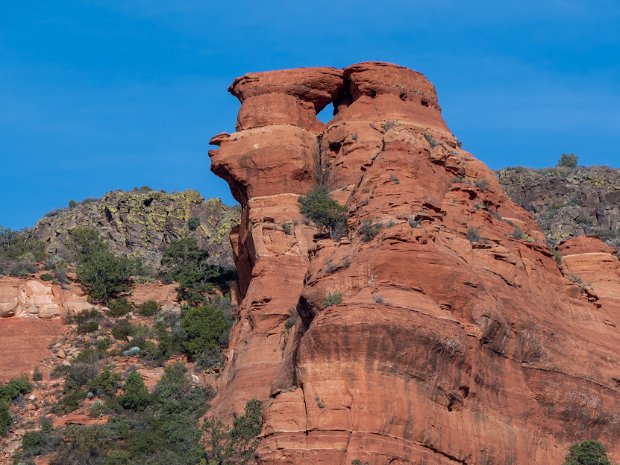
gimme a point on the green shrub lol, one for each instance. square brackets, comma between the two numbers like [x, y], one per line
[369, 230]
[473, 234]
[82, 446]
[518, 234]
[105, 275]
[80, 374]
[84, 243]
[72, 204]
[47, 277]
[14, 388]
[5, 418]
[40, 442]
[122, 330]
[164, 433]
[188, 264]
[587, 453]
[119, 307]
[37, 375]
[286, 228]
[239, 444]
[325, 212]
[88, 326]
[193, 223]
[102, 345]
[135, 395]
[568, 160]
[87, 315]
[170, 334]
[105, 383]
[69, 402]
[482, 184]
[148, 308]
[19, 252]
[332, 298]
[205, 328]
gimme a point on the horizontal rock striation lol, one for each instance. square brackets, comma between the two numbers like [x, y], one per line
[452, 335]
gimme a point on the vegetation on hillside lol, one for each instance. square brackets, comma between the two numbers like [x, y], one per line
[102, 273]
[19, 252]
[161, 427]
[187, 264]
[9, 393]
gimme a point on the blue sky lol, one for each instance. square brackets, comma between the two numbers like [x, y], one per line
[110, 94]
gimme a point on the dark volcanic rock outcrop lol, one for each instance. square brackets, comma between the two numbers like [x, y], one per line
[450, 335]
[141, 223]
[569, 202]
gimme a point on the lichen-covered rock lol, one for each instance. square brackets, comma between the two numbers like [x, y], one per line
[569, 202]
[141, 223]
[440, 331]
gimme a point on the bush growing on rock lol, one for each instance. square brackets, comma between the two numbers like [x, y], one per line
[84, 242]
[473, 234]
[568, 160]
[325, 212]
[369, 230]
[587, 453]
[193, 223]
[332, 298]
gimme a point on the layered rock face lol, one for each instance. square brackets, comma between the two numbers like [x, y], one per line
[33, 297]
[451, 335]
[143, 222]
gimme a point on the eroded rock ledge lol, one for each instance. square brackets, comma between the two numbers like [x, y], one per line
[459, 339]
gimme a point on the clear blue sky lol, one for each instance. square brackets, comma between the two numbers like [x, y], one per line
[109, 94]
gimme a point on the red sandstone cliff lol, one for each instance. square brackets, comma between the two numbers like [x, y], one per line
[458, 339]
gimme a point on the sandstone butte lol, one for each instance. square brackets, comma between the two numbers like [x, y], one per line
[447, 348]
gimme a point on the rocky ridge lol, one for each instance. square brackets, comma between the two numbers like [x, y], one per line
[441, 330]
[568, 202]
[142, 222]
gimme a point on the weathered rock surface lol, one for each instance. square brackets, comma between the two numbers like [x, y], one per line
[569, 202]
[36, 298]
[32, 297]
[595, 266]
[142, 223]
[458, 338]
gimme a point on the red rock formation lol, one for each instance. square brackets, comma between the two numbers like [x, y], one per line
[458, 339]
[595, 266]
